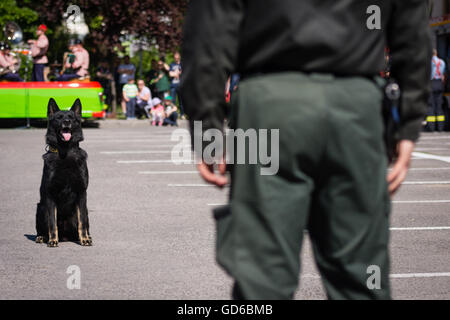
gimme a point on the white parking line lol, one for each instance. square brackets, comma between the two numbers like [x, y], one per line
[419, 228]
[425, 182]
[190, 185]
[431, 149]
[396, 275]
[168, 172]
[421, 201]
[149, 139]
[431, 156]
[421, 275]
[433, 138]
[136, 152]
[157, 146]
[154, 161]
[429, 169]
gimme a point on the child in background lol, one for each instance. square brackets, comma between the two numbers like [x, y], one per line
[130, 91]
[157, 112]
[171, 112]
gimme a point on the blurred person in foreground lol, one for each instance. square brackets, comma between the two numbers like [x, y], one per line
[321, 67]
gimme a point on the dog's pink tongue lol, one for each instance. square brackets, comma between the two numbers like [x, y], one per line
[67, 136]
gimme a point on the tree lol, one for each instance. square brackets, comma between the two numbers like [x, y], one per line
[109, 21]
[23, 15]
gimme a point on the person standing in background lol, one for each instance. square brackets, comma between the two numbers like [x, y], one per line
[435, 113]
[126, 71]
[129, 93]
[175, 74]
[39, 49]
[162, 85]
[151, 75]
[104, 76]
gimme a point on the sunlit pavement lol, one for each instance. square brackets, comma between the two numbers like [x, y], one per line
[154, 234]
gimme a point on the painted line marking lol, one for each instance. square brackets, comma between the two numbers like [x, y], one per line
[137, 136]
[431, 149]
[190, 185]
[135, 152]
[158, 146]
[431, 156]
[421, 275]
[154, 161]
[149, 139]
[433, 138]
[419, 228]
[421, 201]
[425, 182]
[168, 172]
[429, 169]
[397, 275]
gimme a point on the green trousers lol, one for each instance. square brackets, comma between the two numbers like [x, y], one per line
[331, 182]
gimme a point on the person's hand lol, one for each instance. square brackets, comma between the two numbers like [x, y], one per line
[401, 166]
[216, 178]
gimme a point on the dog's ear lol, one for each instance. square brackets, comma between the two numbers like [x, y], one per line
[76, 107]
[52, 108]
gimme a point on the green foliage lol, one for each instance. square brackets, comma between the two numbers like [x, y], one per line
[96, 23]
[26, 67]
[24, 16]
[106, 20]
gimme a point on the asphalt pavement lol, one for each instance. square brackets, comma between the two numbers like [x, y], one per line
[154, 234]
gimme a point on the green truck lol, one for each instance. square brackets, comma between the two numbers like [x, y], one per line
[30, 99]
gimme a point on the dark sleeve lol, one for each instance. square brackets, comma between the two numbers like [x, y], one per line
[410, 46]
[209, 53]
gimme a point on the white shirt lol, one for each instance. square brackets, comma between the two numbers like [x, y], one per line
[142, 94]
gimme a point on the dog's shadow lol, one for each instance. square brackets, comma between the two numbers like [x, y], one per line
[31, 237]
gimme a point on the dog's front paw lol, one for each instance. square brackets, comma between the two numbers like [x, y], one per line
[87, 242]
[52, 243]
[39, 239]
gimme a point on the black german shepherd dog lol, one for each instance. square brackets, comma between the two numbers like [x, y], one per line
[62, 212]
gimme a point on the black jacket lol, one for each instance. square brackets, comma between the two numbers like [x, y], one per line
[330, 36]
